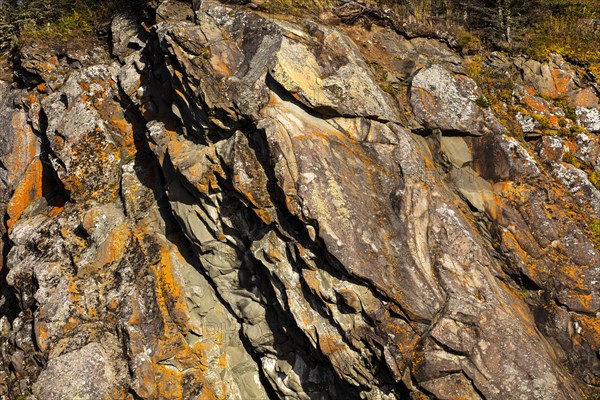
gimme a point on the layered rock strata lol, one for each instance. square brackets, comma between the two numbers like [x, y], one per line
[230, 205]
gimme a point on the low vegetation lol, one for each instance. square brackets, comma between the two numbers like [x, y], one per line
[536, 27]
[595, 230]
[56, 20]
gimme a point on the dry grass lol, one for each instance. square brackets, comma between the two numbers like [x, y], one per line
[575, 39]
[568, 27]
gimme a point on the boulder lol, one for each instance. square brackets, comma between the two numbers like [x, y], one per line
[447, 101]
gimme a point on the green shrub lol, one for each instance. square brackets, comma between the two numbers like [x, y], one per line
[468, 42]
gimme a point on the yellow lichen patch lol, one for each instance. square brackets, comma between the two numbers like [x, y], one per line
[220, 65]
[222, 361]
[266, 215]
[28, 191]
[405, 341]
[171, 354]
[194, 379]
[352, 147]
[125, 130]
[171, 286]
[170, 346]
[185, 157]
[590, 329]
[311, 279]
[168, 382]
[492, 203]
[120, 393]
[575, 274]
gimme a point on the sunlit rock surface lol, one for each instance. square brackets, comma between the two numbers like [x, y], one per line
[230, 206]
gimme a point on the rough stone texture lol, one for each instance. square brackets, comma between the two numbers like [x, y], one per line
[551, 79]
[234, 208]
[590, 118]
[556, 79]
[448, 101]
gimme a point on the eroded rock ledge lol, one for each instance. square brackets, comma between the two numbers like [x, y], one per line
[230, 206]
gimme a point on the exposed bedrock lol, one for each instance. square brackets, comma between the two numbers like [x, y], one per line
[229, 205]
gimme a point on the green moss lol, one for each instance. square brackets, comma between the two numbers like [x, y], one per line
[595, 230]
[389, 88]
[482, 101]
[594, 178]
[565, 132]
[542, 120]
[575, 129]
[570, 158]
[58, 20]
[570, 113]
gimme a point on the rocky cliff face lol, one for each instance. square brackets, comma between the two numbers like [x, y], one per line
[230, 205]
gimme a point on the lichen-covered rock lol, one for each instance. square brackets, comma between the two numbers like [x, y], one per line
[448, 101]
[589, 118]
[235, 209]
[551, 79]
[87, 373]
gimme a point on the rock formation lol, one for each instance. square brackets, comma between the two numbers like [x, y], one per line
[236, 205]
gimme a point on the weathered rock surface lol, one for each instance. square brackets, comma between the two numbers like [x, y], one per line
[447, 101]
[232, 207]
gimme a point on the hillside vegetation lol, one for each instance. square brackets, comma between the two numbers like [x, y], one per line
[57, 20]
[538, 27]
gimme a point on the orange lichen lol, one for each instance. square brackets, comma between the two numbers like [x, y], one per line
[28, 191]
[171, 287]
[537, 104]
[590, 329]
[24, 144]
[222, 361]
[530, 90]
[330, 345]
[41, 334]
[562, 83]
[111, 250]
[219, 64]
[584, 98]
[168, 382]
